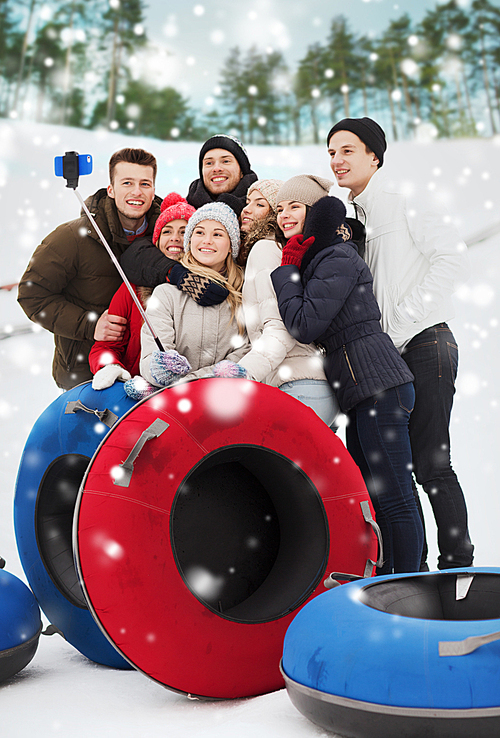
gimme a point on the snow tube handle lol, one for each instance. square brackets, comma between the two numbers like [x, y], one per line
[365, 509]
[126, 469]
[468, 645]
[105, 416]
[333, 579]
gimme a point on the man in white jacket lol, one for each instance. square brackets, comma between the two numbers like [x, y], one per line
[417, 260]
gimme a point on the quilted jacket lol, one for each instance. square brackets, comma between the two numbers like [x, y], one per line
[330, 301]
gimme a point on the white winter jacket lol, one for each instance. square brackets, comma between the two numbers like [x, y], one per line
[276, 357]
[204, 335]
[415, 255]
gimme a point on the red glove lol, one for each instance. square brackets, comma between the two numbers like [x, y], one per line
[294, 251]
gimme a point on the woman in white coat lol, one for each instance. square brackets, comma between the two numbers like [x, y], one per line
[275, 358]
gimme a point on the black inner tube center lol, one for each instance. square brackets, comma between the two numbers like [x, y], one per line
[249, 533]
[434, 597]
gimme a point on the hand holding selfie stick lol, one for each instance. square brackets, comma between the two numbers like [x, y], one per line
[70, 170]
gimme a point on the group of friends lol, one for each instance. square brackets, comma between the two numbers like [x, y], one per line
[271, 281]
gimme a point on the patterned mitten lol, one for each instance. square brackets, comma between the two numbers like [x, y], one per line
[138, 388]
[228, 368]
[107, 375]
[201, 289]
[168, 366]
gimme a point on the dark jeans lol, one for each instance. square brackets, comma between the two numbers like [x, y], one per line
[432, 356]
[377, 439]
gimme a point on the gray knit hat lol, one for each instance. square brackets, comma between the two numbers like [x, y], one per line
[269, 189]
[304, 188]
[224, 215]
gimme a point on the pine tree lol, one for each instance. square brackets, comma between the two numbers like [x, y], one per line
[122, 34]
[485, 21]
[344, 65]
[144, 110]
[445, 32]
[308, 82]
[234, 90]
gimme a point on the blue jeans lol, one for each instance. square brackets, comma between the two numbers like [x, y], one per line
[432, 356]
[316, 394]
[377, 439]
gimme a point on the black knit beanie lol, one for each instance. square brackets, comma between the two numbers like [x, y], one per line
[367, 130]
[229, 143]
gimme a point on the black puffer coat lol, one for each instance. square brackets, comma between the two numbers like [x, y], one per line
[331, 302]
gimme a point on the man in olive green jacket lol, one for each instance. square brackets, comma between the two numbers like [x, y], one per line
[71, 279]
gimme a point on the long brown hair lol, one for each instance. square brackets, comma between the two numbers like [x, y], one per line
[264, 228]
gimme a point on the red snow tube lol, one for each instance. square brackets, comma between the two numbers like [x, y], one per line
[208, 516]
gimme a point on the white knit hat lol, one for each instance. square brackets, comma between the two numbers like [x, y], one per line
[268, 188]
[224, 215]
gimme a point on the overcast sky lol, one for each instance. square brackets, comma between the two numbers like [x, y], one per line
[197, 36]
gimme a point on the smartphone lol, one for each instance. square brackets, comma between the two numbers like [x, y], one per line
[72, 164]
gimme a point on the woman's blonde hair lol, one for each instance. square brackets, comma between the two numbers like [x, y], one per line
[232, 280]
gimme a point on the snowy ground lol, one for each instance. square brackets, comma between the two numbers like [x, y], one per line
[60, 692]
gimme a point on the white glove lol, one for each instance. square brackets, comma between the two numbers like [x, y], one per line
[108, 375]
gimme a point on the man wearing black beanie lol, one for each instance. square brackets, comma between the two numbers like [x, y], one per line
[225, 174]
[417, 260]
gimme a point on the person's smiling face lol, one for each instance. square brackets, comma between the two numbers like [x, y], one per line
[171, 238]
[291, 217]
[133, 191]
[210, 244]
[221, 171]
[352, 163]
[257, 207]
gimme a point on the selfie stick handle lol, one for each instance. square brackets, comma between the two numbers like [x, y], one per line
[120, 270]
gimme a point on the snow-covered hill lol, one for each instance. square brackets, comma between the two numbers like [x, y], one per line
[60, 692]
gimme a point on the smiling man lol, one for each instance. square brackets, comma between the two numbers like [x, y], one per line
[417, 260]
[225, 176]
[225, 173]
[71, 279]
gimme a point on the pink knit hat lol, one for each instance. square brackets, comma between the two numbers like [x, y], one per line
[173, 207]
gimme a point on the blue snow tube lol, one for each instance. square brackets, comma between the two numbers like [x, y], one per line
[55, 458]
[20, 625]
[413, 655]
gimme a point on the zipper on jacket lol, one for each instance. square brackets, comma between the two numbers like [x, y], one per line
[349, 364]
[358, 207]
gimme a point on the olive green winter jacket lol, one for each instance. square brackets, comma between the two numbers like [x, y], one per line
[70, 281]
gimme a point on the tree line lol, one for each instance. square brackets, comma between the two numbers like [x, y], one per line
[77, 65]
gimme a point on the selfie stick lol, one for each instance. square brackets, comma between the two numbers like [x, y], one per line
[72, 181]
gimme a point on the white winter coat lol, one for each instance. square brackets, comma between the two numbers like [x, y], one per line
[204, 335]
[276, 357]
[415, 255]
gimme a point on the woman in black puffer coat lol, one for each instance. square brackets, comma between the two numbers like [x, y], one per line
[325, 295]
